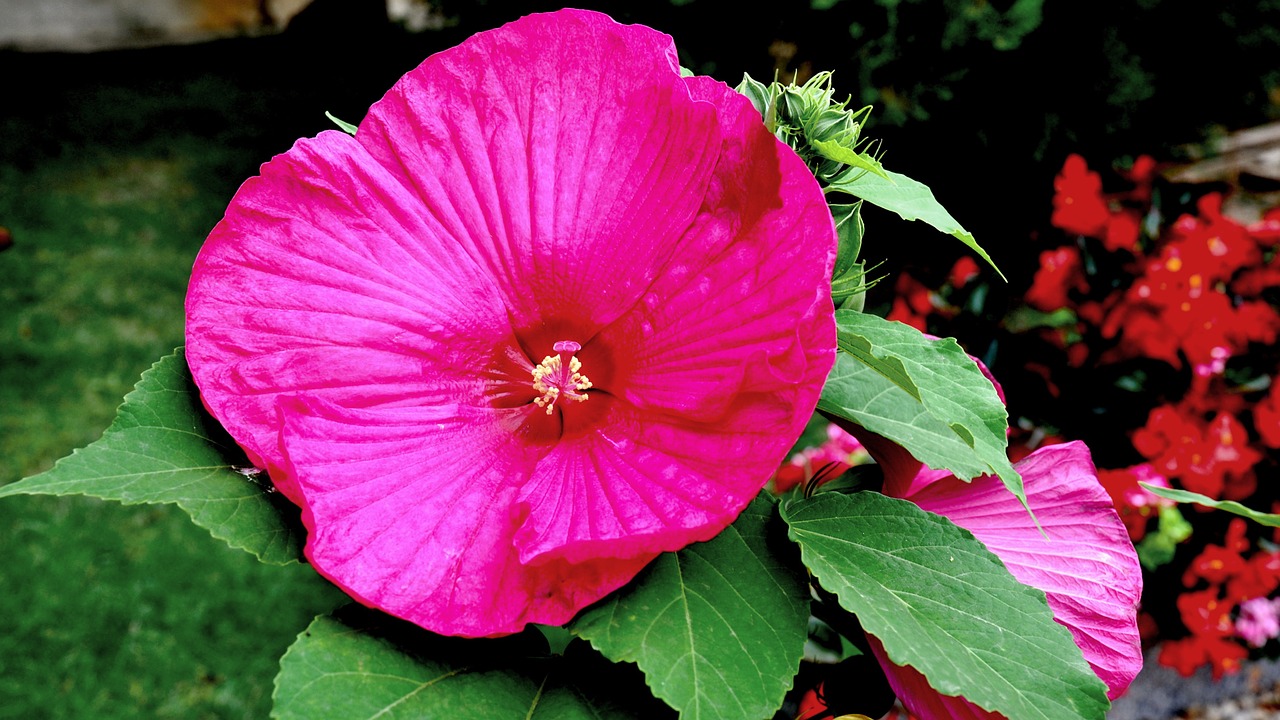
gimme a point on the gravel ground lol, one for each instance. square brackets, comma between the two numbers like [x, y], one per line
[1160, 693]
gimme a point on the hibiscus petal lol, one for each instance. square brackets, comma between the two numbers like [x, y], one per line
[326, 277]
[566, 178]
[412, 510]
[709, 327]
[920, 698]
[1086, 567]
[646, 483]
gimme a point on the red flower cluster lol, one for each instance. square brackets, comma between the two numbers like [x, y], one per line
[1080, 208]
[1212, 458]
[1199, 293]
[1232, 582]
[1183, 299]
[1060, 272]
[1196, 297]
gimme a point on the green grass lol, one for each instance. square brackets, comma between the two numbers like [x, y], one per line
[111, 611]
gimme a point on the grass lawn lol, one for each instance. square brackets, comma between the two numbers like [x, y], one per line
[109, 188]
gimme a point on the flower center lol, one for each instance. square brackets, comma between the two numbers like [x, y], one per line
[557, 376]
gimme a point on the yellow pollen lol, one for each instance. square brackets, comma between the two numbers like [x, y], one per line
[557, 376]
[1174, 264]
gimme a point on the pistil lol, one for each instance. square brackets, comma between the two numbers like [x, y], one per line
[557, 376]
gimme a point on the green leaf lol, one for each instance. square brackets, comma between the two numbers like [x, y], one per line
[1186, 496]
[908, 198]
[163, 447]
[357, 663]
[832, 150]
[939, 601]
[1158, 548]
[343, 125]
[849, 277]
[926, 395]
[719, 627]
[762, 97]
[1026, 318]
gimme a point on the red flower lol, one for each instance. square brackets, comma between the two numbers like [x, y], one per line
[1267, 230]
[1060, 272]
[1142, 175]
[1214, 564]
[1122, 231]
[1078, 205]
[1142, 334]
[1204, 613]
[913, 302]
[1187, 654]
[1135, 503]
[1253, 281]
[1165, 439]
[1223, 465]
[1212, 243]
[964, 270]
[1266, 417]
[1254, 321]
[1259, 577]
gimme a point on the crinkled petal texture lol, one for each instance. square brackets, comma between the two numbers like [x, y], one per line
[1086, 566]
[367, 318]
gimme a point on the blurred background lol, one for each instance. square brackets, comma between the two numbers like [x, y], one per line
[126, 127]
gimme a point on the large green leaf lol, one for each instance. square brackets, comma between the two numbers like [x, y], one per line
[360, 664]
[926, 395]
[939, 601]
[910, 199]
[163, 447]
[719, 627]
[1186, 496]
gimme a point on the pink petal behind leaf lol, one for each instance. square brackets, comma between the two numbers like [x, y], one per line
[920, 698]
[1087, 567]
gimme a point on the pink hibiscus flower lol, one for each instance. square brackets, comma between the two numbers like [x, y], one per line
[1086, 565]
[551, 311]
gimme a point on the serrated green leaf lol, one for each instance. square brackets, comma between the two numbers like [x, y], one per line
[926, 395]
[359, 664]
[889, 366]
[939, 601]
[718, 628]
[163, 447]
[1186, 496]
[910, 199]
